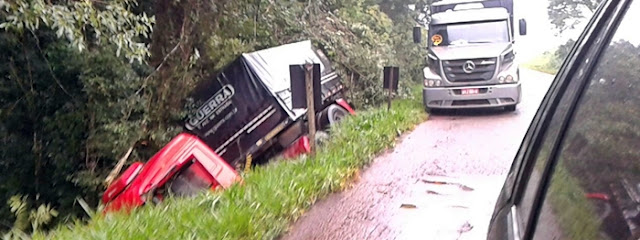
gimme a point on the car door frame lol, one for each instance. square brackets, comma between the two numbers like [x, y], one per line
[590, 45]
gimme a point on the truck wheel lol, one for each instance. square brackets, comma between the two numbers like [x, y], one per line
[321, 120]
[510, 108]
[335, 114]
[433, 111]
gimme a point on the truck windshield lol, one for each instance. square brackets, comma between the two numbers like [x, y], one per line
[189, 182]
[469, 33]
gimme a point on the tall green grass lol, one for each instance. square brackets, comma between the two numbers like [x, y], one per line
[545, 63]
[272, 196]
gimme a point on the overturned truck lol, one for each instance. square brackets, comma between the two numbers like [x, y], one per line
[251, 110]
[243, 112]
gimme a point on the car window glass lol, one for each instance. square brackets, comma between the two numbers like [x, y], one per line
[526, 199]
[594, 191]
[548, 141]
[518, 172]
[524, 206]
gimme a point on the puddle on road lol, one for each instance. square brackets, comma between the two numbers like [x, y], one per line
[437, 182]
[447, 208]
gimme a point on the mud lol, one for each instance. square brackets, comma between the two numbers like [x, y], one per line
[440, 182]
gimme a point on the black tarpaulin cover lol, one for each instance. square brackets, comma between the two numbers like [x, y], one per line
[249, 98]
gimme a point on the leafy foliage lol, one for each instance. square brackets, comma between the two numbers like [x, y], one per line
[39, 217]
[566, 15]
[108, 21]
[65, 116]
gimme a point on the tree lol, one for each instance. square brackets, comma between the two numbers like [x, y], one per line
[111, 22]
[567, 14]
[69, 99]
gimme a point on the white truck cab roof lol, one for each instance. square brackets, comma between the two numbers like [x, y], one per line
[469, 15]
[447, 2]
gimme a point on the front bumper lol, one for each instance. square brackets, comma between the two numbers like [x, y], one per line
[498, 95]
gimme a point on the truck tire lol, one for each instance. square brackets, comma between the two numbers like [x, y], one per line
[335, 114]
[322, 122]
[510, 108]
[433, 111]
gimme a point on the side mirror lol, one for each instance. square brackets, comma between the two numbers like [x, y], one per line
[523, 27]
[417, 34]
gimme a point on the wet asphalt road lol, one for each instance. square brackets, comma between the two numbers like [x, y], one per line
[440, 182]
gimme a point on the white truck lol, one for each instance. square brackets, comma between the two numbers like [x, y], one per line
[471, 57]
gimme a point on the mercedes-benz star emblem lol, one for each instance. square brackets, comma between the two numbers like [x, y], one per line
[468, 67]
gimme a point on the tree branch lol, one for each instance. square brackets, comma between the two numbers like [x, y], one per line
[114, 173]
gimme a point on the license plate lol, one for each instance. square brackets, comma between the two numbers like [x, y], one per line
[470, 91]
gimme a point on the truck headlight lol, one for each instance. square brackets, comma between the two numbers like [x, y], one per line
[509, 79]
[501, 79]
[432, 83]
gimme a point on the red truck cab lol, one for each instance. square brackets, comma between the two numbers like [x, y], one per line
[184, 167]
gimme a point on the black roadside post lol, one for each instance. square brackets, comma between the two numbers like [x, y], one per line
[389, 84]
[305, 93]
[391, 75]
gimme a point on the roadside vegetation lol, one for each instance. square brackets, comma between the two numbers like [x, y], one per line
[550, 62]
[272, 195]
[545, 63]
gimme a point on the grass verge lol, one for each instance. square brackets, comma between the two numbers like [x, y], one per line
[272, 196]
[543, 63]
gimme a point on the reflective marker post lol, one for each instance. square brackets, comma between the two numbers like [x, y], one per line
[391, 75]
[389, 93]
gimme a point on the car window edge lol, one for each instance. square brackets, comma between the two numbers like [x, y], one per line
[614, 18]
